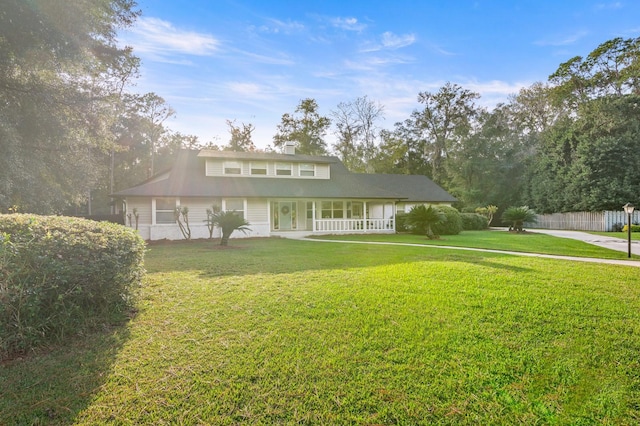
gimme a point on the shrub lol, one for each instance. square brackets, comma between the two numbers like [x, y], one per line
[634, 228]
[473, 221]
[422, 219]
[452, 224]
[401, 222]
[62, 276]
[518, 216]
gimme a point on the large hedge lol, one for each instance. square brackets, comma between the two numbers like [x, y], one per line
[473, 222]
[453, 223]
[61, 276]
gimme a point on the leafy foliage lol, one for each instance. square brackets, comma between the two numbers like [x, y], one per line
[228, 222]
[517, 216]
[452, 224]
[61, 74]
[422, 219]
[63, 276]
[473, 221]
[307, 130]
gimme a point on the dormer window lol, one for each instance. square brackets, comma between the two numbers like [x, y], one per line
[232, 168]
[283, 169]
[307, 169]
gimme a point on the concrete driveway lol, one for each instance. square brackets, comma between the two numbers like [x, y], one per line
[612, 243]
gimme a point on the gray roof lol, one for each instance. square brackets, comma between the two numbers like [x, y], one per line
[187, 179]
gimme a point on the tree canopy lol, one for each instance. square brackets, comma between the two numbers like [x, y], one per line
[72, 131]
[61, 75]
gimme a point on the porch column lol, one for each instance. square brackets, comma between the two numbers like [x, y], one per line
[313, 216]
[365, 213]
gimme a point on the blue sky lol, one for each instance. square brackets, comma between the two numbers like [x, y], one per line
[254, 60]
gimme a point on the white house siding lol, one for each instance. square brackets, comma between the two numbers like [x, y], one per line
[143, 207]
[322, 171]
[258, 217]
[213, 168]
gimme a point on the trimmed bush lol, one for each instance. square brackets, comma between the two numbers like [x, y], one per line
[401, 222]
[473, 221]
[62, 276]
[453, 223]
[634, 228]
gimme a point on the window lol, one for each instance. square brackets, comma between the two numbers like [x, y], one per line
[165, 210]
[332, 209]
[354, 210]
[232, 168]
[259, 168]
[234, 205]
[307, 169]
[283, 169]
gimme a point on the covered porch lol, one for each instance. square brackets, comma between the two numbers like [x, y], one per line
[332, 216]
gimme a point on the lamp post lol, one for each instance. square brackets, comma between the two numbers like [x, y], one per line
[628, 209]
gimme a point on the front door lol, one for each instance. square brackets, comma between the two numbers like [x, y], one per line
[285, 213]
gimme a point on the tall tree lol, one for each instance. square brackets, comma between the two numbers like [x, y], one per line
[447, 117]
[613, 68]
[154, 111]
[61, 70]
[241, 139]
[357, 132]
[307, 130]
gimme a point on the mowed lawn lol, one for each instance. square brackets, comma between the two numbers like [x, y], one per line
[273, 331]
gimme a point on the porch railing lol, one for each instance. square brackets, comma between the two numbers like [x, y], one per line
[354, 225]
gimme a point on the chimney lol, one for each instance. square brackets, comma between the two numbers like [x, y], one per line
[290, 148]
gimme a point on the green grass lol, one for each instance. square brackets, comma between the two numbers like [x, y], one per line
[635, 236]
[276, 331]
[530, 242]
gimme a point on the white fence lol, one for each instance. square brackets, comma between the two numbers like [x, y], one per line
[584, 221]
[354, 225]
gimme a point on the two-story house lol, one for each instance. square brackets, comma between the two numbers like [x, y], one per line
[278, 194]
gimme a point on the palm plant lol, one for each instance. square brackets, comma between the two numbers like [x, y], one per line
[421, 219]
[517, 216]
[229, 221]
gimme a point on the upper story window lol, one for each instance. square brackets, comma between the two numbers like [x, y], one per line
[165, 210]
[283, 169]
[232, 168]
[307, 169]
[258, 168]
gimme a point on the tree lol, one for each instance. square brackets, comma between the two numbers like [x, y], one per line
[447, 117]
[307, 130]
[421, 219]
[60, 75]
[357, 132]
[228, 222]
[154, 111]
[613, 68]
[485, 167]
[241, 140]
[518, 216]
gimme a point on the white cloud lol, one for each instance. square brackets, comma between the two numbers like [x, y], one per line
[389, 41]
[161, 39]
[392, 41]
[612, 6]
[562, 40]
[276, 26]
[349, 24]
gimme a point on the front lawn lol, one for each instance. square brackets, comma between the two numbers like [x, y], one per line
[529, 242]
[635, 236]
[273, 331]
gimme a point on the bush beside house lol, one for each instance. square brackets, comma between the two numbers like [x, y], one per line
[61, 276]
[452, 225]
